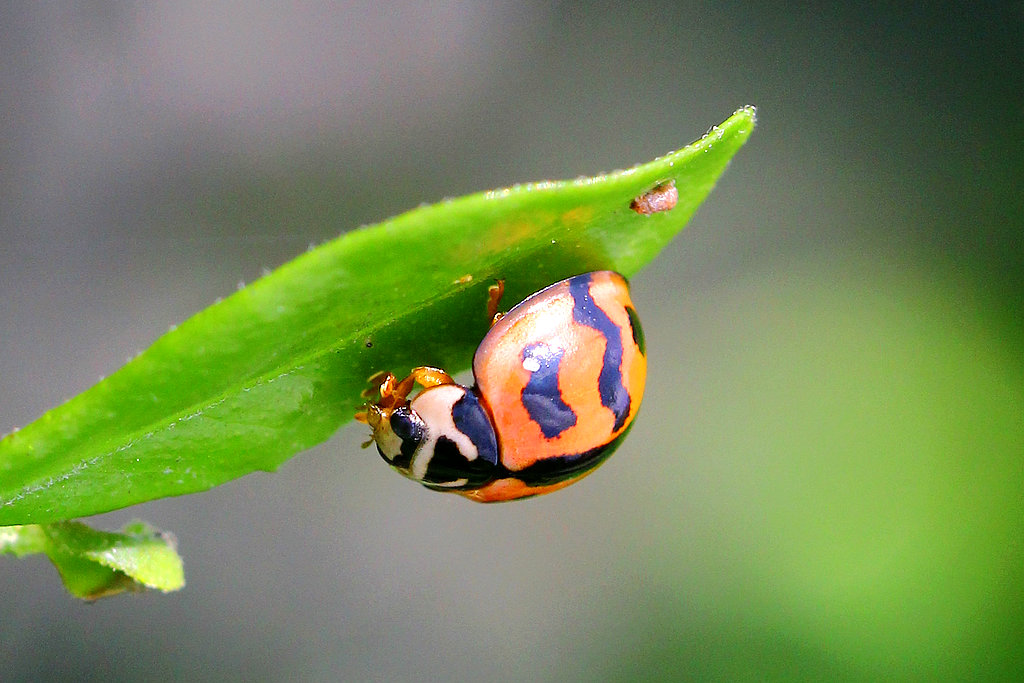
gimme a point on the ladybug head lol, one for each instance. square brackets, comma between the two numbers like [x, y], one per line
[397, 429]
[443, 438]
[398, 435]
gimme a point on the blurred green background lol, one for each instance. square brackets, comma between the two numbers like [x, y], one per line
[827, 478]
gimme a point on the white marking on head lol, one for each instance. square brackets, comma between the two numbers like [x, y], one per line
[388, 442]
[452, 484]
[434, 406]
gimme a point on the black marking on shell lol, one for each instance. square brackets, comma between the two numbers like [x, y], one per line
[614, 395]
[541, 395]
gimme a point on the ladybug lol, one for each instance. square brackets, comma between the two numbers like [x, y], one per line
[559, 379]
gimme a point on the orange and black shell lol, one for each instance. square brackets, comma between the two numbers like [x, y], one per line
[562, 375]
[559, 379]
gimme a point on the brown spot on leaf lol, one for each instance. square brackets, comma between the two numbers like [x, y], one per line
[662, 197]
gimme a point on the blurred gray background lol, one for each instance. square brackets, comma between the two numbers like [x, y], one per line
[827, 477]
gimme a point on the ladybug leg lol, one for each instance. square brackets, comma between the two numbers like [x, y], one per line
[398, 391]
[392, 392]
[381, 398]
[380, 384]
[385, 393]
[494, 294]
[427, 377]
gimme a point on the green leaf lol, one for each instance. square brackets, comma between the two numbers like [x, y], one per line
[94, 564]
[278, 366]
